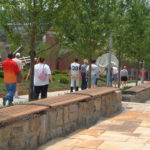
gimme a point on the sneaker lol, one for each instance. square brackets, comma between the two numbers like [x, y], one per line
[4, 102]
[17, 96]
[11, 104]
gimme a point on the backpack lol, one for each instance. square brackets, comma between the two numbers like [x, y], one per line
[42, 76]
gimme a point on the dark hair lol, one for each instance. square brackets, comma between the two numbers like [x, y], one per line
[93, 61]
[10, 55]
[41, 59]
[76, 59]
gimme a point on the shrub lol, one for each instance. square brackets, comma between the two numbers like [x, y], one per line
[1, 73]
[64, 80]
[56, 72]
[59, 72]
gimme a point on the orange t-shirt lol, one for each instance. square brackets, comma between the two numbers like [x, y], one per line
[10, 71]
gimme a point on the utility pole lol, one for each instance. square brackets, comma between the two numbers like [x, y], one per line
[109, 61]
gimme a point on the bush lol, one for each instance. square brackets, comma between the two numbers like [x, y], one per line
[59, 72]
[1, 73]
[56, 72]
[64, 80]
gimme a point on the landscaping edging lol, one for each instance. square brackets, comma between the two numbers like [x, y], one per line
[25, 127]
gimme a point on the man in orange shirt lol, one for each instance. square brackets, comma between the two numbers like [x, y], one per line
[10, 73]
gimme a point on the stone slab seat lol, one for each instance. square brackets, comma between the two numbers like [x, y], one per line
[137, 89]
[18, 112]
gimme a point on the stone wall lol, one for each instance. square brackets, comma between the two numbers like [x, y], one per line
[137, 94]
[32, 130]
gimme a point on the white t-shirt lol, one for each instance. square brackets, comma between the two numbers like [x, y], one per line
[37, 70]
[94, 70]
[19, 63]
[124, 73]
[75, 67]
[115, 70]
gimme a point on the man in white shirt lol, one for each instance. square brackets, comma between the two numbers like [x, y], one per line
[94, 73]
[75, 73]
[115, 75]
[20, 74]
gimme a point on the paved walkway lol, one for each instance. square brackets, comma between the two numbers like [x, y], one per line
[128, 130]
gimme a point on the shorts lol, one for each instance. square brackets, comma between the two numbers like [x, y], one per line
[123, 78]
[93, 79]
[114, 78]
[19, 77]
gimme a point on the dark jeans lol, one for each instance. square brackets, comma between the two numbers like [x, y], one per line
[11, 89]
[40, 89]
[84, 81]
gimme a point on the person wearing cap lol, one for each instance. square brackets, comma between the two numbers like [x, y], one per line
[10, 73]
[20, 74]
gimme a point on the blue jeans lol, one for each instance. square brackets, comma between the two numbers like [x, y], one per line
[11, 89]
[84, 81]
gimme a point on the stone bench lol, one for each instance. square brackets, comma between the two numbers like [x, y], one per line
[139, 93]
[25, 127]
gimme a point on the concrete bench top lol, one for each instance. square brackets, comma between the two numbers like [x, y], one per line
[137, 89]
[24, 110]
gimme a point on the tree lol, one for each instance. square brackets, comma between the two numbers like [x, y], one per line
[84, 25]
[31, 18]
[131, 33]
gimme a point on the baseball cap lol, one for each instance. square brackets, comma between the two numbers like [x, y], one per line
[17, 54]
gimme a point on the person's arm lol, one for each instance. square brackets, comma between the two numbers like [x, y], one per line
[51, 79]
[127, 75]
[28, 75]
[70, 71]
[22, 73]
[112, 73]
[80, 71]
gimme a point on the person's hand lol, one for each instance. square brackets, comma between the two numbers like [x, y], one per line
[52, 83]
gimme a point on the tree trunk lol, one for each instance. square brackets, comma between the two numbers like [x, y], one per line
[32, 53]
[119, 68]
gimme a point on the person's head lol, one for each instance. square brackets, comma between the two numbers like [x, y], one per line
[35, 60]
[41, 59]
[17, 55]
[76, 60]
[10, 56]
[93, 61]
[85, 61]
[124, 67]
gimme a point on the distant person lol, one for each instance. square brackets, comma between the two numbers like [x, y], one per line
[11, 69]
[42, 74]
[124, 76]
[20, 75]
[115, 75]
[97, 76]
[83, 74]
[94, 70]
[75, 73]
[141, 75]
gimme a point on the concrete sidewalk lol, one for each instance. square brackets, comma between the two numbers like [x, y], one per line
[24, 98]
[127, 130]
